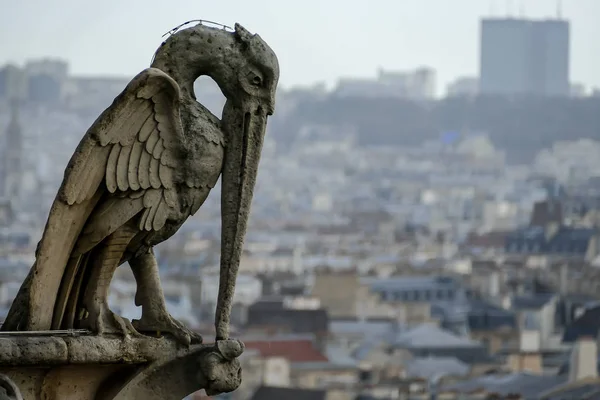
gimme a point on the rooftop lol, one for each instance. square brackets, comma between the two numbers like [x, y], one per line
[431, 336]
[531, 302]
[587, 324]
[411, 282]
[364, 328]
[587, 389]
[295, 351]
[279, 393]
[431, 367]
[527, 385]
[566, 240]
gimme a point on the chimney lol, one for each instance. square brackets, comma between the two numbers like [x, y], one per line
[564, 276]
[551, 229]
[584, 359]
[494, 284]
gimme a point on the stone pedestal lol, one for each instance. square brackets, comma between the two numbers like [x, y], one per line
[73, 365]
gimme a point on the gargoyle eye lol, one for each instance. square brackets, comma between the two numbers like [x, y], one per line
[255, 79]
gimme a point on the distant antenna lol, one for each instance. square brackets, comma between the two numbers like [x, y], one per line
[559, 9]
[522, 9]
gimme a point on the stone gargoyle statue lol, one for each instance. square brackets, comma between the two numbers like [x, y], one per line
[144, 167]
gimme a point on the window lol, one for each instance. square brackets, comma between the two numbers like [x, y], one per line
[365, 376]
[531, 320]
[486, 343]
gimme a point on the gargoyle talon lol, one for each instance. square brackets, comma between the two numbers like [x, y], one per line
[230, 348]
[167, 324]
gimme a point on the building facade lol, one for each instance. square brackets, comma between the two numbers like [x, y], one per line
[521, 56]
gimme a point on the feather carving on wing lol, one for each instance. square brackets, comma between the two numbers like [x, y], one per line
[135, 149]
[132, 150]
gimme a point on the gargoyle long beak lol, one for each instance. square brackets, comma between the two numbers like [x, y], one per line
[245, 128]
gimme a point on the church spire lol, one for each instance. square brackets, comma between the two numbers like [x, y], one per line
[11, 158]
[14, 132]
[14, 108]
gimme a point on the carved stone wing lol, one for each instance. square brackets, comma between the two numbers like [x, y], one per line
[134, 148]
[131, 150]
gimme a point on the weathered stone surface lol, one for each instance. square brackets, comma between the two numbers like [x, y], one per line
[23, 350]
[146, 165]
[90, 367]
[8, 389]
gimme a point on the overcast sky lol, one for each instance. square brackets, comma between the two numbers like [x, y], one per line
[315, 40]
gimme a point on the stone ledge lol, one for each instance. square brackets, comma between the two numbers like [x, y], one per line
[60, 366]
[33, 350]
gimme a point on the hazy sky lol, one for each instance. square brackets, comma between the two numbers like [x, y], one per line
[315, 40]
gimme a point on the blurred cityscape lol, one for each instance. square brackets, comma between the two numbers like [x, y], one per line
[401, 246]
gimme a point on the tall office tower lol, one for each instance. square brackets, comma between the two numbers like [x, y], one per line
[521, 56]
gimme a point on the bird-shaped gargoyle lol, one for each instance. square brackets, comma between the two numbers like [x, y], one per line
[143, 168]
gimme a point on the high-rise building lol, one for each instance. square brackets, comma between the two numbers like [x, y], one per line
[58, 69]
[550, 57]
[419, 84]
[521, 56]
[13, 82]
[463, 86]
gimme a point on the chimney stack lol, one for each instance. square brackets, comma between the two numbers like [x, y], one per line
[584, 359]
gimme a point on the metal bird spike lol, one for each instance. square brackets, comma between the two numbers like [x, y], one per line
[200, 21]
